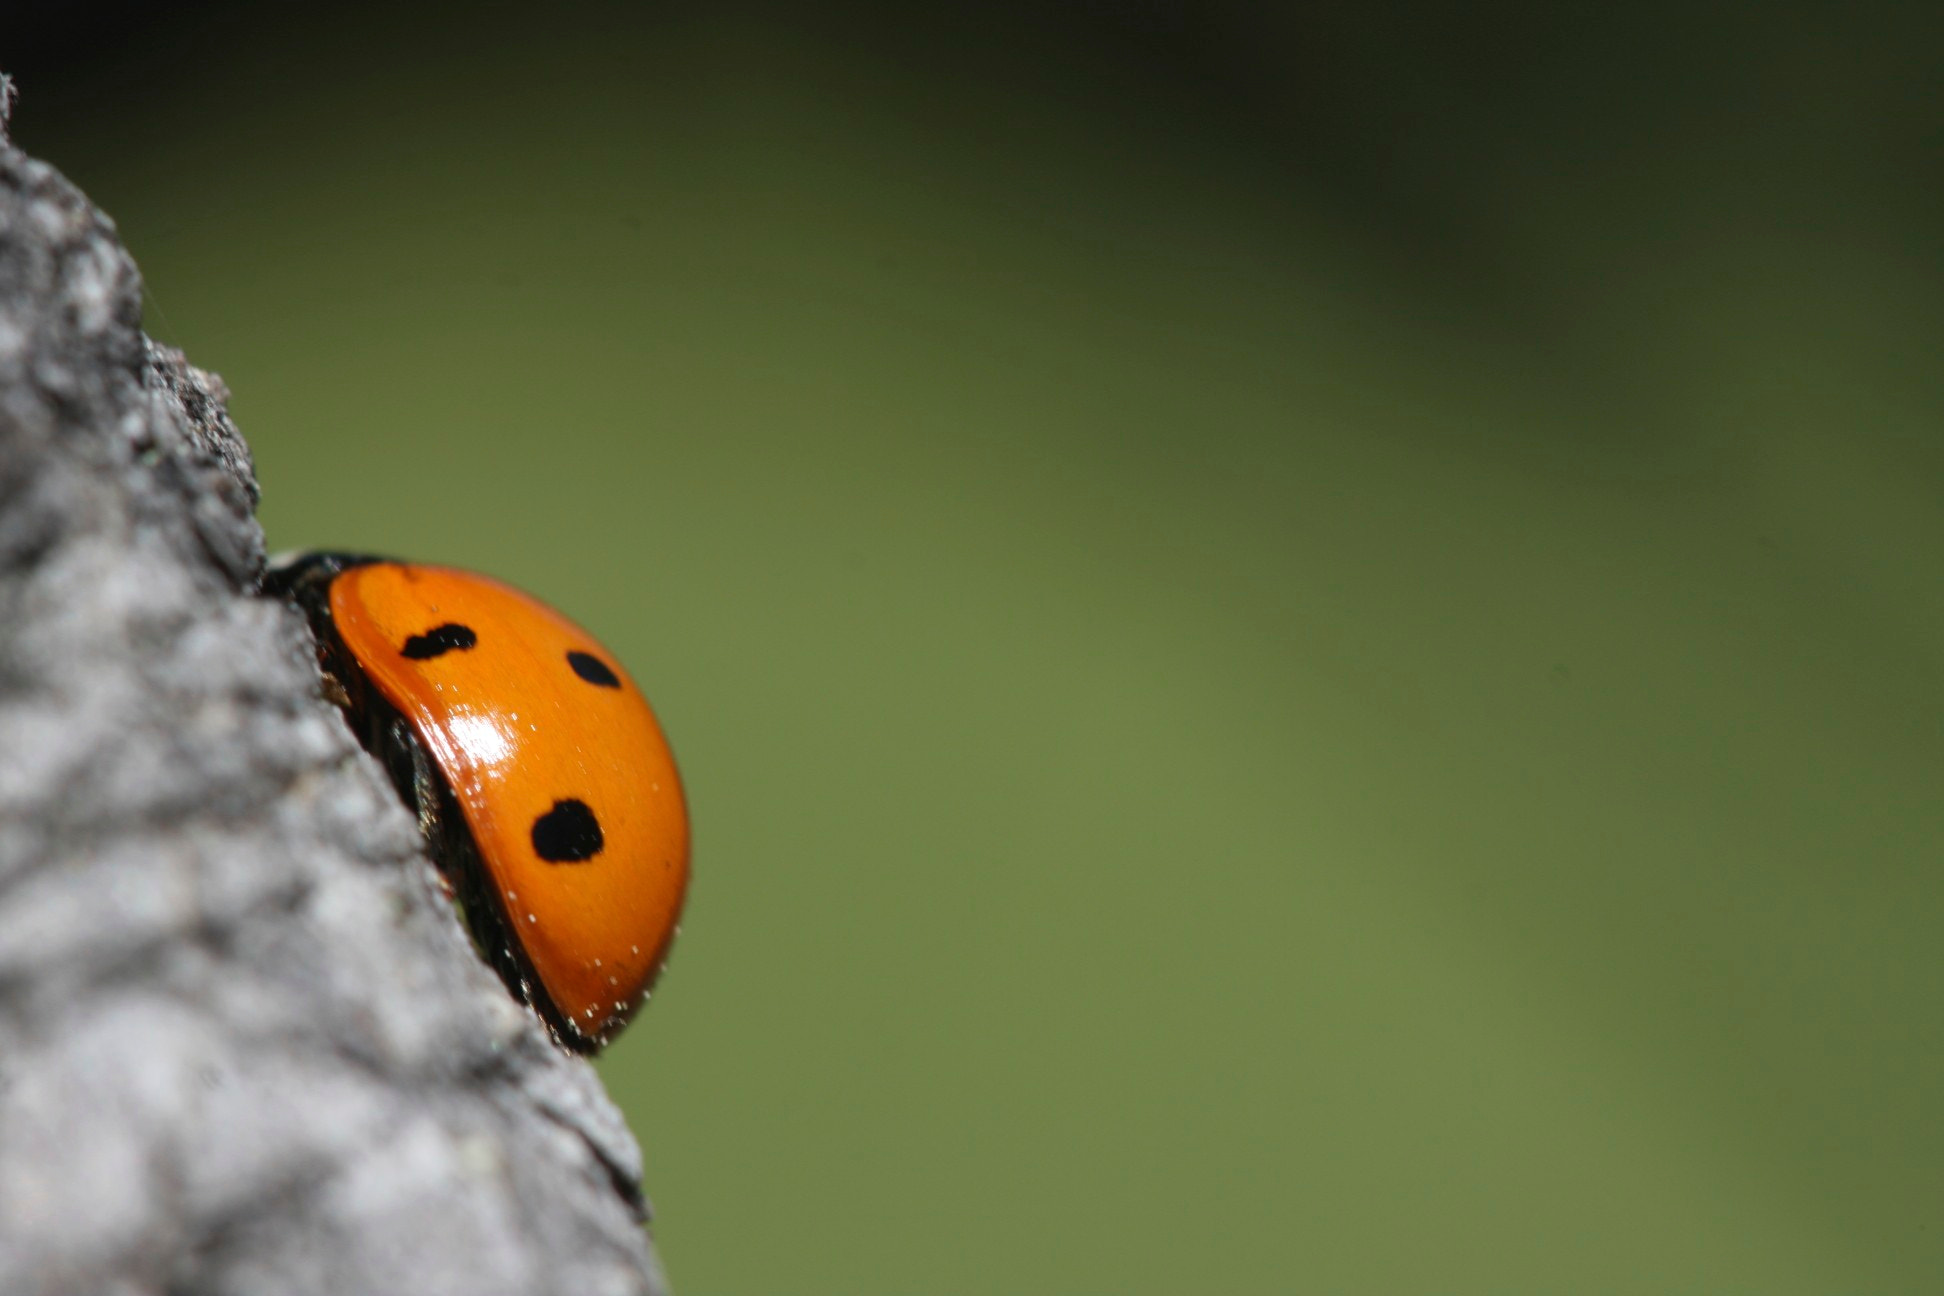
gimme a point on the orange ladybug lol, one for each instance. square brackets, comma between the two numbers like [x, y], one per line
[543, 784]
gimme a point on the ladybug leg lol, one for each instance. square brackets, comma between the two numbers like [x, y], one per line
[421, 782]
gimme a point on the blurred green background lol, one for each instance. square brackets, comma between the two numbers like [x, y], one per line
[1306, 642]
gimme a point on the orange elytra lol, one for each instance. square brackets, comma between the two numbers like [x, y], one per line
[542, 781]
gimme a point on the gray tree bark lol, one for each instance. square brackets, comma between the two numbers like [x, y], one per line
[245, 1045]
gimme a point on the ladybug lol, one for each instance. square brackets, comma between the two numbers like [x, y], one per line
[543, 786]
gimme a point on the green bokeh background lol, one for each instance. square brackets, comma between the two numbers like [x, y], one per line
[1306, 645]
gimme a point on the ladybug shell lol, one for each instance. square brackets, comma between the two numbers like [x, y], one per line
[558, 767]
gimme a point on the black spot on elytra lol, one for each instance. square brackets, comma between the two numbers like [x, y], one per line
[567, 834]
[592, 669]
[449, 637]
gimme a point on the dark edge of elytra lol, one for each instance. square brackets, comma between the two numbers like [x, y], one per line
[306, 583]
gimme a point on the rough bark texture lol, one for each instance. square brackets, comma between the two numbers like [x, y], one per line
[244, 1043]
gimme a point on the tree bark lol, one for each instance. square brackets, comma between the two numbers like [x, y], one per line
[245, 1045]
